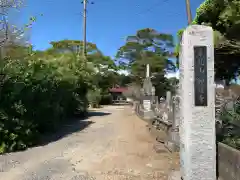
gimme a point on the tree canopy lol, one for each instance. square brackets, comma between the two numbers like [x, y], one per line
[147, 46]
[223, 17]
[57, 81]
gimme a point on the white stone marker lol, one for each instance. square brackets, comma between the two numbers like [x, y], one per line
[147, 71]
[176, 113]
[168, 98]
[197, 104]
[147, 104]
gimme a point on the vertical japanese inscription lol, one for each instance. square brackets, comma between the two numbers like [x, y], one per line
[200, 75]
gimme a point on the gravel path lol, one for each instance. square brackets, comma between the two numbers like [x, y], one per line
[112, 144]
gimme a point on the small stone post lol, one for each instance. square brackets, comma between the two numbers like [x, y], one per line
[168, 98]
[174, 140]
[169, 105]
[147, 71]
[176, 113]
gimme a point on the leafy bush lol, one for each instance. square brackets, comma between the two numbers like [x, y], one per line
[230, 132]
[106, 99]
[94, 97]
[37, 95]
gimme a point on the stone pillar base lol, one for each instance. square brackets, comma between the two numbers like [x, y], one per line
[148, 115]
[171, 146]
[174, 175]
[173, 142]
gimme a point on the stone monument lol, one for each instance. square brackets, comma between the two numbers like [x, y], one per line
[197, 105]
[168, 98]
[148, 96]
[173, 140]
[169, 105]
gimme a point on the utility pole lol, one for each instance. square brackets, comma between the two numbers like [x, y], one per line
[84, 27]
[189, 14]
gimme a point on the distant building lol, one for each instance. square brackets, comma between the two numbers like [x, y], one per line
[117, 93]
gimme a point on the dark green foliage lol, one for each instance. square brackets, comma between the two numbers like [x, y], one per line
[36, 97]
[41, 90]
[148, 46]
[106, 99]
[223, 17]
[230, 132]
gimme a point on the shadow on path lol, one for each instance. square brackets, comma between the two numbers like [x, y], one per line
[74, 125]
[120, 104]
[96, 113]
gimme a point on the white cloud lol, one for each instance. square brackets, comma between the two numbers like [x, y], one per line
[174, 74]
[123, 72]
[168, 75]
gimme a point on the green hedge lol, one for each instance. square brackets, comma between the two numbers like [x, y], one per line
[36, 97]
[230, 134]
[106, 99]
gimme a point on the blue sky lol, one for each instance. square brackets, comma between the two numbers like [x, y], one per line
[108, 21]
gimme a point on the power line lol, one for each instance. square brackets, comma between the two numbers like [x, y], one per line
[152, 7]
[156, 5]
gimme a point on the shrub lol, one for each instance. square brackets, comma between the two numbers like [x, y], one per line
[106, 99]
[230, 127]
[37, 95]
[94, 97]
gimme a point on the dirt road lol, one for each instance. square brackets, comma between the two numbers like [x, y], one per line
[112, 144]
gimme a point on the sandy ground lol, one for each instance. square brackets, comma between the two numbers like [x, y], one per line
[112, 144]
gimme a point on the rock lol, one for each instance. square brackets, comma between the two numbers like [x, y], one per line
[159, 148]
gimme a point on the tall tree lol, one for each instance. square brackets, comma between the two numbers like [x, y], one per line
[223, 17]
[75, 47]
[147, 46]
